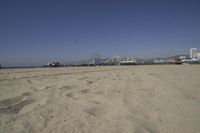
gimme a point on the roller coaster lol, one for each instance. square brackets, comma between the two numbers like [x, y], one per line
[114, 60]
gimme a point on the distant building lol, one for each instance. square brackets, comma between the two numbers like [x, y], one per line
[198, 55]
[182, 57]
[171, 61]
[128, 61]
[53, 64]
[159, 61]
[193, 53]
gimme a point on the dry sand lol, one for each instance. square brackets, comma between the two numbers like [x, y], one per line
[118, 99]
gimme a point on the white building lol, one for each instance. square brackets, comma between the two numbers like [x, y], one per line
[182, 57]
[128, 61]
[193, 53]
[198, 55]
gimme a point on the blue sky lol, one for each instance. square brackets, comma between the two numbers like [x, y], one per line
[33, 32]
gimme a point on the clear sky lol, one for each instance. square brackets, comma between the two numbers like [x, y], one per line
[34, 32]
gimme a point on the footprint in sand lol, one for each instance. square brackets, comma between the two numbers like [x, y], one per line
[96, 102]
[66, 88]
[15, 104]
[83, 78]
[143, 126]
[85, 91]
[99, 92]
[90, 82]
[94, 111]
[71, 95]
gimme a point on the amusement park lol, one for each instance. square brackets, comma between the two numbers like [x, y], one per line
[96, 60]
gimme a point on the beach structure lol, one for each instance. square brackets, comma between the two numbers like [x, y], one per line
[115, 60]
[95, 59]
[191, 61]
[128, 61]
[53, 64]
[159, 61]
[171, 61]
[182, 57]
[118, 60]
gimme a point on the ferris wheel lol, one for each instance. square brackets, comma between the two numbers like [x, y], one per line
[95, 57]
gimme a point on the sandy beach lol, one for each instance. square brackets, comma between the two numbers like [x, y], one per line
[111, 99]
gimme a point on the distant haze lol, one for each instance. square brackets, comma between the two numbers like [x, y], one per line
[34, 32]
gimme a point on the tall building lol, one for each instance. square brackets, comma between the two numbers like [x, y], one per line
[198, 55]
[193, 52]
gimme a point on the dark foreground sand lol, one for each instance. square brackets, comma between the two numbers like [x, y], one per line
[120, 99]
